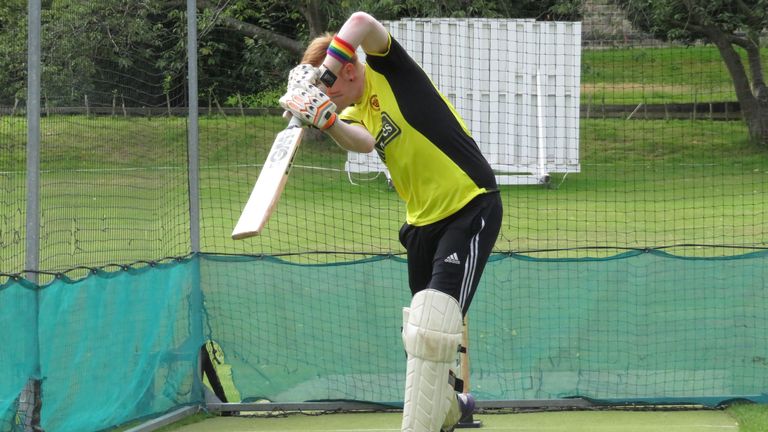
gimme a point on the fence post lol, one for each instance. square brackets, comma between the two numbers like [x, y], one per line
[193, 150]
[32, 258]
[31, 393]
[192, 129]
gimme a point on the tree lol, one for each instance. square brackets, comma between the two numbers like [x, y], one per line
[733, 26]
[111, 48]
[13, 50]
[305, 19]
[273, 33]
[134, 51]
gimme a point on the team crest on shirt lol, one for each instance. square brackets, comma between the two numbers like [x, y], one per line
[388, 132]
[374, 102]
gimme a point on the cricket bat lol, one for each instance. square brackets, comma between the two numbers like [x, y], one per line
[271, 182]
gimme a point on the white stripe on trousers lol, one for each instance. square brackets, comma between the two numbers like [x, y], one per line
[470, 265]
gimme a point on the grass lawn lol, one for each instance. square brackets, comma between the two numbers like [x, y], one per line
[114, 190]
[751, 417]
[656, 75]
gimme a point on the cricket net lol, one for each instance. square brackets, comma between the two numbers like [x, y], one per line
[630, 267]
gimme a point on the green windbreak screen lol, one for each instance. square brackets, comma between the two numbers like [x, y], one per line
[637, 327]
[114, 346]
[640, 326]
[18, 357]
[303, 332]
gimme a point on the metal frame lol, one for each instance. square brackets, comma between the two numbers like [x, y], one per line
[165, 420]
[31, 391]
[574, 403]
[357, 406]
[193, 128]
[345, 406]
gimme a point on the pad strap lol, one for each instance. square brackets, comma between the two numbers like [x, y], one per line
[455, 382]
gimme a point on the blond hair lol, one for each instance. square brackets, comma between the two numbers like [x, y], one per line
[315, 52]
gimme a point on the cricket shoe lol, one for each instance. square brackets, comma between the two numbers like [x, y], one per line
[466, 407]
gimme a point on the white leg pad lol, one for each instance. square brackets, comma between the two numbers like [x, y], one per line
[454, 413]
[432, 329]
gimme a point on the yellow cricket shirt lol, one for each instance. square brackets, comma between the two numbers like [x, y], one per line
[435, 164]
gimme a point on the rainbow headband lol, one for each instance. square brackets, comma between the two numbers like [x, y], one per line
[341, 50]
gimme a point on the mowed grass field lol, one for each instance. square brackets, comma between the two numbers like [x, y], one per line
[656, 75]
[114, 190]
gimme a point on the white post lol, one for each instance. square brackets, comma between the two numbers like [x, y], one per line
[541, 158]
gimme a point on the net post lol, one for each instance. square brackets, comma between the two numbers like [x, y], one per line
[193, 128]
[193, 151]
[32, 255]
[30, 401]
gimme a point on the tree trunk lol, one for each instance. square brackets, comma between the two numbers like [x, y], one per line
[262, 33]
[257, 32]
[316, 19]
[757, 123]
[754, 109]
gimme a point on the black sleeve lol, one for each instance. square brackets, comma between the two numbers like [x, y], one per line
[394, 60]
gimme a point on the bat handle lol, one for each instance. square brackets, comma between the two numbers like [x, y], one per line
[295, 122]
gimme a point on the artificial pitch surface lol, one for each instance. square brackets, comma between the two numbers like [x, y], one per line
[571, 421]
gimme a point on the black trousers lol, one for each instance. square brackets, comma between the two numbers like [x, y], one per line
[450, 255]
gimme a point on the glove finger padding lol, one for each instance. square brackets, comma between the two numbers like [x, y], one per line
[310, 105]
[302, 75]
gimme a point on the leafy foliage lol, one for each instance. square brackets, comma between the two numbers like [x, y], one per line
[13, 45]
[110, 47]
[731, 26]
[397, 9]
[132, 52]
[687, 20]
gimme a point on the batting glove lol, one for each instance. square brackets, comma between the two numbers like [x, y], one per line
[310, 105]
[302, 75]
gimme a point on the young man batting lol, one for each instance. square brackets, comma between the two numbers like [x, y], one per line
[453, 206]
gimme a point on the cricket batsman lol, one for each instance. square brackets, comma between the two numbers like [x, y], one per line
[453, 206]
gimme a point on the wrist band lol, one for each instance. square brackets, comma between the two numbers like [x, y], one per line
[341, 50]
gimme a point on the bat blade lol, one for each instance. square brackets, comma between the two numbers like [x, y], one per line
[271, 182]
